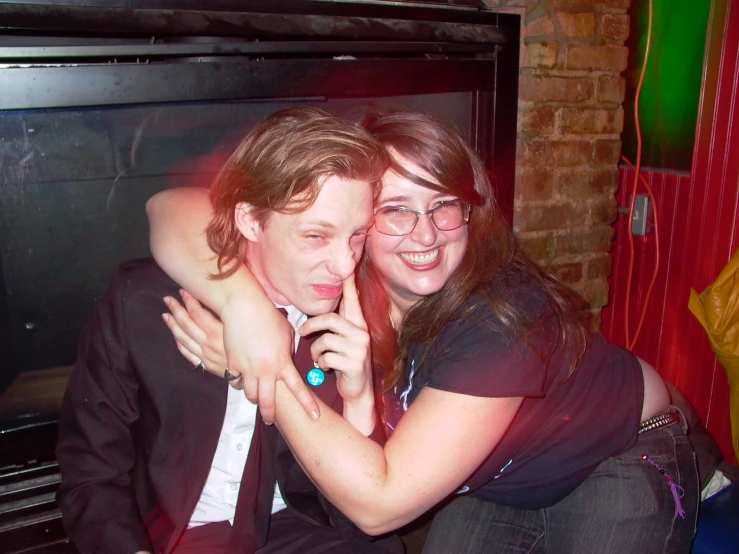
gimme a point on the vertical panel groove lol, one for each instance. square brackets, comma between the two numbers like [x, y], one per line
[699, 232]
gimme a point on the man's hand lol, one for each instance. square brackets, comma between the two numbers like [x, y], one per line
[199, 334]
[256, 348]
[259, 346]
[345, 348]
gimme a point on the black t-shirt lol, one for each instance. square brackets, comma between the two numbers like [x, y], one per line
[566, 425]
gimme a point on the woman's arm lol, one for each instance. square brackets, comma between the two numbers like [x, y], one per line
[178, 219]
[439, 442]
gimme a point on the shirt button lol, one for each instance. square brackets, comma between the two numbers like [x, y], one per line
[239, 446]
[234, 487]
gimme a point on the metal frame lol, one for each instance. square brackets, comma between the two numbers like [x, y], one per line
[23, 54]
[77, 53]
[263, 19]
[425, 10]
[54, 87]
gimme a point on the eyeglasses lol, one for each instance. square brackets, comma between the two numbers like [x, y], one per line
[398, 221]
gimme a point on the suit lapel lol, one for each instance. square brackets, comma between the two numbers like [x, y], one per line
[203, 397]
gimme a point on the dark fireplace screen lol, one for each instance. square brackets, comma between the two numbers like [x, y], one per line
[94, 121]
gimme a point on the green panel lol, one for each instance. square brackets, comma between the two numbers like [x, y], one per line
[668, 106]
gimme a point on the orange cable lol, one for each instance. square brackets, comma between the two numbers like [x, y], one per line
[656, 255]
[637, 173]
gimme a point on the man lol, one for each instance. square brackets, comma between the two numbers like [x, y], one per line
[158, 459]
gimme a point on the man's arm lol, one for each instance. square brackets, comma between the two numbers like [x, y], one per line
[95, 447]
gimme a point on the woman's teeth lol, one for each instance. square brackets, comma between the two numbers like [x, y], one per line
[420, 258]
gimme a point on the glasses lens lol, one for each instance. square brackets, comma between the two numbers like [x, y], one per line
[451, 215]
[394, 221]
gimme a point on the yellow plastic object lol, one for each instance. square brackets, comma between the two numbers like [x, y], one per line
[717, 309]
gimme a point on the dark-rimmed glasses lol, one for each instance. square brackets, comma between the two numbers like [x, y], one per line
[398, 221]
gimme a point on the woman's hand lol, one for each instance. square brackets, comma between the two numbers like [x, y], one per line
[345, 348]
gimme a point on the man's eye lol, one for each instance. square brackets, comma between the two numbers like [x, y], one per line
[359, 235]
[314, 237]
[394, 212]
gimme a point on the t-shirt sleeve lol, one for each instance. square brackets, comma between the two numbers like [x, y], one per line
[478, 357]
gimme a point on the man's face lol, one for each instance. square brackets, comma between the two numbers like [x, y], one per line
[301, 259]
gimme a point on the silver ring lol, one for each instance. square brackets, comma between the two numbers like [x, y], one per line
[228, 376]
[200, 366]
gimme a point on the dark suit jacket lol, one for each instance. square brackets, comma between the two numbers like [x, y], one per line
[139, 429]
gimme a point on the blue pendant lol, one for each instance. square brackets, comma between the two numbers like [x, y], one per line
[315, 377]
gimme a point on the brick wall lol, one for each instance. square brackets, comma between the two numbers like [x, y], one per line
[569, 124]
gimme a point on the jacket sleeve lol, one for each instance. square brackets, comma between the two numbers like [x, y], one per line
[95, 447]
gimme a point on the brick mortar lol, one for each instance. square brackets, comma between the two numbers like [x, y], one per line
[544, 122]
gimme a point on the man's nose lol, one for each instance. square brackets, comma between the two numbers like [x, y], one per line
[425, 231]
[343, 261]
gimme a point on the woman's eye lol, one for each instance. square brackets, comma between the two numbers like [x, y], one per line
[314, 237]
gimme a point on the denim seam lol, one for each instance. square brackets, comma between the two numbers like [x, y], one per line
[544, 533]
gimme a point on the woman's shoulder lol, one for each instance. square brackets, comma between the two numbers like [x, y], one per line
[480, 353]
[501, 313]
[509, 301]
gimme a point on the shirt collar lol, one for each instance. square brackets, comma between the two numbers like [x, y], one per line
[294, 316]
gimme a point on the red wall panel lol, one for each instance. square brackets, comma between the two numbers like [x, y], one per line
[698, 218]
[692, 254]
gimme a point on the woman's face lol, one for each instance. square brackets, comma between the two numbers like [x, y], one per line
[420, 263]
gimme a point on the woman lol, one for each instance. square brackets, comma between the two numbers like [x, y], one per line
[536, 434]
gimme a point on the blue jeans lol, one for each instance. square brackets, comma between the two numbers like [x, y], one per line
[625, 506]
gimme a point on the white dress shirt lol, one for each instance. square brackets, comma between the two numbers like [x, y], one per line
[221, 491]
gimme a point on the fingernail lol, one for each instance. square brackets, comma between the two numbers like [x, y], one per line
[167, 300]
[314, 415]
[165, 317]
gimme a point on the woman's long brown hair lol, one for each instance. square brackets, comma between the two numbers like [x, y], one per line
[492, 251]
